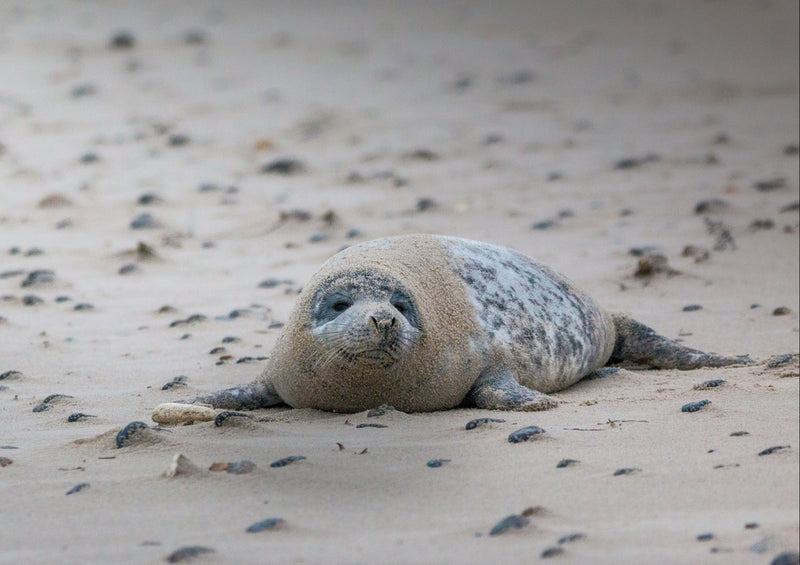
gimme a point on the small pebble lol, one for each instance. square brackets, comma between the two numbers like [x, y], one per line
[514, 521]
[424, 204]
[89, 157]
[178, 140]
[770, 184]
[543, 225]
[122, 40]
[757, 225]
[786, 558]
[5, 461]
[77, 488]
[781, 311]
[127, 433]
[692, 307]
[569, 538]
[39, 277]
[791, 207]
[285, 166]
[31, 300]
[231, 339]
[774, 362]
[372, 426]
[740, 434]
[187, 553]
[148, 198]
[633, 162]
[751, 526]
[626, 471]
[714, 383]
[566, 463]
[286, 461]
[695, 406]
[10, 375]
[194, 318]
[78, 416]
[62, 298]
[551, 552]
[41, 407]
[708, 536]
[177, 381]
[710, 206]
[266, 525]
[240, 467]
[81, 90]
[434, 463]
[477, 422]
[144, 221]
[525, 434]
[421, 155]
[83, 307]
[774, 449]
[380, 411]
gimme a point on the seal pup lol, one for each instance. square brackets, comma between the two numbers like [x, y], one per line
[427, 322]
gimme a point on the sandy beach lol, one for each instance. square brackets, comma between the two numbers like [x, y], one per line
[172, 174]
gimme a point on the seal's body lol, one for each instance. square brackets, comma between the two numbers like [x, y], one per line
[426, 322]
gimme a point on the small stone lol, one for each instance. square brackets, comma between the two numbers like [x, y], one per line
[371, 426]
[31, 300]
[570, 538]
[566, 463]
[318, 237]
[713, 383]
[434, 463]
[122, 40]
[54, 201]
[41, 407]
[223, 416]
[711, 206]
[551, 552]
[10, 375]
[187, 553]
[195, 37]
[421, 155]
[286, 461]
[180, 465]
[285, 166]
[380, 411]
[77, 488]
[83, 307]
[526, 434]
[78, 416]
[774, 449]
[758, 225]
[776, 360]
[126, 435]
[39, 277]
[634, 162]
[769, 185]
[781, 311]
[81, 90]
[626, 471]
[148, 198]
[512, 522]
[786, 558]
[270, 524]
[543, 225]
[705, 537]
[692, 307]
[477, 422]
[89, 158]
[175, 413]
[739, 434]
[144, 221]
[695, 406]
[240, 467]
[5, 461]
[791, 207]
[178, 140]
[424, 204]
[193, 319]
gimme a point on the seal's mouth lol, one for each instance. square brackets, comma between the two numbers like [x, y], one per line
[377, 356]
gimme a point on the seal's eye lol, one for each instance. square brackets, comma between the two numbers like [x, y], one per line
[400, 306]
[340, 306]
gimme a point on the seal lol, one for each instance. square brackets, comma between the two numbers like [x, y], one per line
[427, 322]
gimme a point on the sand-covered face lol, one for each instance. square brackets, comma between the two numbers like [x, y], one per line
[363, 319]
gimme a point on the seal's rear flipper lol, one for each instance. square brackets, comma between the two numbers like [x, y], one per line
[499, 390]
[641, 344]
[258, 394]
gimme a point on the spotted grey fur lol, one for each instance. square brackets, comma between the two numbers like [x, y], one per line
[425, 322]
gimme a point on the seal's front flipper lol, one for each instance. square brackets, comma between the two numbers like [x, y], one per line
[258, 394]
[640, 344]
[499, 390]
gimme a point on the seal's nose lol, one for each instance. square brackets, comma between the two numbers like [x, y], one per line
[383, 321]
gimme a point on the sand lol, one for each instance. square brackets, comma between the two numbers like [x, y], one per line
[609, 121]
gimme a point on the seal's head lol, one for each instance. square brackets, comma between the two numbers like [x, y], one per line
[363, 319]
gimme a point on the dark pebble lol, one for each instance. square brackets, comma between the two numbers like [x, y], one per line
[372, 426]
[774, 449]
[551, 552]
[543, 225]
[63, 224]
[5, 461]
[195, 37]
[240, 467]
[50, 398]
[525, 434]
[12, 273]
[739, 434]
[83, 307]
[786, 558]
[380, 411]
[34, 251]
[792, 207]
[39, 277]
[633, 162]
[272, 283]
[144, 221]
[122, 40]
[223, 416]
[31, 300]
[285, 166]
[41, 407]
[770, 184]
[177, 381]
[569, 538]
[10, 375]
[626, 471]
[178, 140]
[514, 521]
[218, 351]
[245, 359]
[434, 463]
[554, 176]
[318, 237]
[230, 339]
[286, 461]
[77, 416]
[424, 204]
[266, 525]
[81, 90]
[781, 311]
[695, 406]
[187, 553]
[477, 422]
[780, 360]
[78, 488]
[713, 383]
[566, 463]
[757, 225]
[708, 536]
[128, 432]
[194, 318]
[148, 198]
[518, 77]
[421, 155]
[62, 298]
[89, 158]
[751, 525]
[710, 206]
[692, 307]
